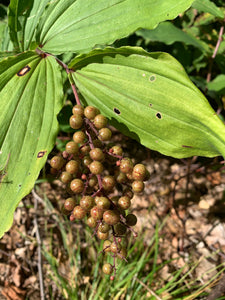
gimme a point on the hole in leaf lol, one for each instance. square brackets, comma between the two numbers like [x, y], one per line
[41, 154]
[150, 104]
[152, 78]
[117, 111]
[23, 71]
[158, 115]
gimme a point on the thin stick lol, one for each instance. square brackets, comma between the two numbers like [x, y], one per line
[148, 289]
[220, 38]
[40, 271]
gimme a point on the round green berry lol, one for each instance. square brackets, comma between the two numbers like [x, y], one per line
[72, 166]
[139, 172]
[102, 235]
[87, 202]
[107, 269]
[126, 165]
[90, 112]
[131, 220]
[96, 167]
[115, 247]
[79, 137]
[120, 229]
[69, 204]
[97, 154]
[105, 134]
[124, 202]
[111, 217]
[97, 213]
[108, 182]
[138, 186]
[106, 246]
[76, 121]
[79, 213]
[117, 150]
[66, 177]
[103, 203]
[100, 121]
[78, 110]
[91, 222]
[57, 162]
[103, 227]
[77, 186]
[72, 148]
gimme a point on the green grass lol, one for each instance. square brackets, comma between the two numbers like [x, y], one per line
[137, 279]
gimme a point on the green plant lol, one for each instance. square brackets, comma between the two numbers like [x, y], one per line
[147, 96]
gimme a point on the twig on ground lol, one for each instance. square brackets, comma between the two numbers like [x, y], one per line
[40, 271]
[148, 289]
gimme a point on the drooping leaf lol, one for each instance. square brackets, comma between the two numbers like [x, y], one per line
[31, 97]
[208, 6]
[78, 26]
[23, 18]
[218, 84]
[149, 97]
[168, 33]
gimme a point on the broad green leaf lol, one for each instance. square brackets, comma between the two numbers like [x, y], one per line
[31, 97]
[78, 26]
[23, 18]
[6, 44]
[218, 84]
[149, 97]
[168, 33]
[208, 6]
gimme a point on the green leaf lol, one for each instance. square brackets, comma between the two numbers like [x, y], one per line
[23, 18]
[218, 84]
[209, 7]
[168, 33]
[78, 26]
[149, 97]
[31, 97]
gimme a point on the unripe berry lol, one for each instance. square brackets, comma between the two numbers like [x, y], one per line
[90, 112]
[124, 202]
[120, 177]
[103, 227]
[117, 150]
[76, 121]
[77, 186]
[57, 162]
[85, 150]
[79, 137]
[105, 134]
[107, 269]
[126, 165]
[97, 143]
[106, 246]
[120, 229]
[97, 213]
[115, 247]
[78, 110]
[103, 203]
[87, 160]
[78, 212]
[138, 186]
[87, 202]
[96, 167]
[66, 177]
[139, 172]
[97, 154]
[131, 220]
[100, 121]
[69, 204]
[111, 217]
[102, 235]
[108, 182]
[92, 181]
[91, 222]
[72, 166]
[128, 192]
[123, 253]
[72, 148]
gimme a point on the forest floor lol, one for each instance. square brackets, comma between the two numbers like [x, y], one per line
[184, 198]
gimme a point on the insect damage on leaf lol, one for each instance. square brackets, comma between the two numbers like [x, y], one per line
[117, 111]
[158, 115]
[41, 154]
[23, 71]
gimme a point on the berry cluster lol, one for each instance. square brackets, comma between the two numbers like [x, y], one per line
[101, 182]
